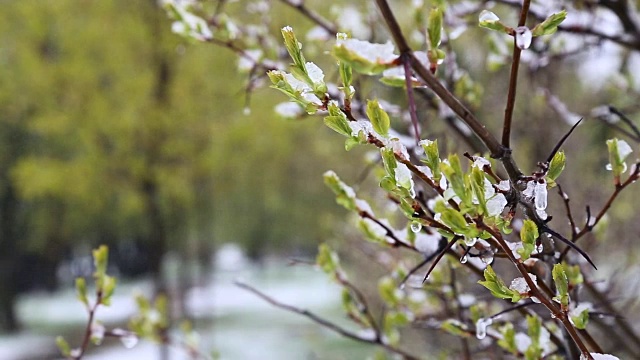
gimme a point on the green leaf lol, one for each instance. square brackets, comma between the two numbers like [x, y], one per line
[433, 158]
[353, 308]
[81, 291]
[562, 284]
[372, 231]
[346, 74]
[489, 20]
[378, 117]
[327, 259]
[365, 57]
[549, 25]
[108, 287]
[338, 124]
[497, 286]
[387, 290]
[389, 161]
[63, 346]
[477, 184]
[508, 340]
[528, 235]
[556, 165]
[455, 328]
[345, 195]
[294, 48]
[456, 221]
[296, 90]
[534, 326]
[581, 319]
[100, 260]
[351, 142]
[574, 274]
[434, 28]
[396, 319]
[453, 172]
[618, 151]
[337, 120]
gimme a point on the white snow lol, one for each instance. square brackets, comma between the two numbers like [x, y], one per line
[597, 356]
[315, 73]
[488, 16]
[427, 244]
[288, 110]
[374, 53]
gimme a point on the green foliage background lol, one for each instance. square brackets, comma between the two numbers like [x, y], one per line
[115, 130]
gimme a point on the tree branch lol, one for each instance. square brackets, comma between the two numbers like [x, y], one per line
[325, 323]
[513, 80]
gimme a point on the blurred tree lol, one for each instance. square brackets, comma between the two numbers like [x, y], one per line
[112, 135]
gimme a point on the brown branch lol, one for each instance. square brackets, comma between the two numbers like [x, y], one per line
[311, 15]
[513, 80]
[410, 96]
[556, 312]
[495, 148]
[325, 323]
[589, 225]
[459, 313]
[565, 200]
[87, 330]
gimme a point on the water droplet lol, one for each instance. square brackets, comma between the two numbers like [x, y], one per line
[487, 258]
[470, 241]
[541, 194]
[539, 248]
[402, 286]
[463, 259]
[416, 226]
[535, 300]
[481, 327]
[246, 111]
[523, 37]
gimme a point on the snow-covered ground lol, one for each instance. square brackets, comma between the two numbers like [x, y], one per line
[230, 321]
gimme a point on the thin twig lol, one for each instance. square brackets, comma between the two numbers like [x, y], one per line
[411, 99]
[627, 121]
[591, 224]
[565, 200]
[325, 323]
[562, 140]
[535, 291]
[513, 80]
[313, 16]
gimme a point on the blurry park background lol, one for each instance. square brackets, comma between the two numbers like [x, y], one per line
[115, 131]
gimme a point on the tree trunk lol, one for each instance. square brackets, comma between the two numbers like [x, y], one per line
[8, 256]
